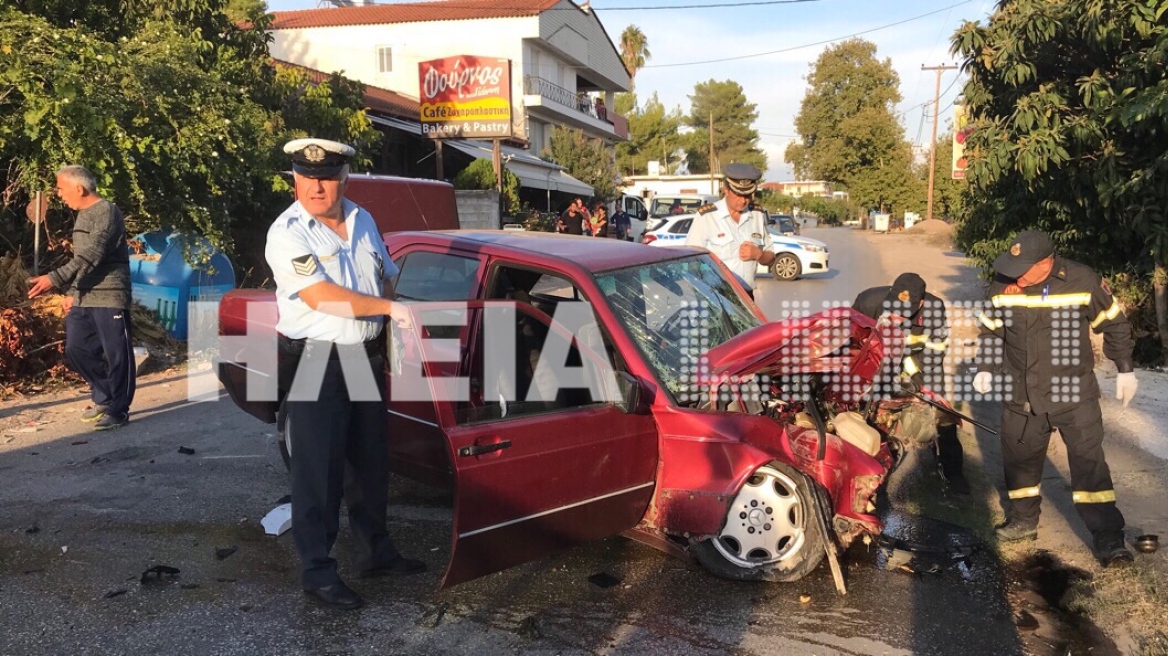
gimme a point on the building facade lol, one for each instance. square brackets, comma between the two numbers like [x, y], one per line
[565, 69]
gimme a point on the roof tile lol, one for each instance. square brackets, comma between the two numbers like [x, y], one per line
[412, 12]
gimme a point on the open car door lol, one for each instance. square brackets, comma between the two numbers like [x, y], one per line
[539, 466]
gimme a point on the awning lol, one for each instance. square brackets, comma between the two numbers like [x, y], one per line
[532, 171]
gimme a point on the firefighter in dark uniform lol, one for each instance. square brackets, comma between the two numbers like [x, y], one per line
[330, 265]
[1041, 308]
[922, 317]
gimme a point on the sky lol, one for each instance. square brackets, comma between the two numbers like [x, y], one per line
[911, 33]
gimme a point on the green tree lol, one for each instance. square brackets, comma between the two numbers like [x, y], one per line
[239, 11]
[948, 194]
[1066, 101]
[652, 134]
[634, 51]
[848, 128]
[175, 108]
[584, 158]
[734, 138]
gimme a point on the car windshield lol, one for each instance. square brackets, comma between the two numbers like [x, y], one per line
[676, 311]
[666, 206]
[785, 223]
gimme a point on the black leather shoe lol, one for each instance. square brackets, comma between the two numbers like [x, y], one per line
[400, 566]
[1117, 556]
[1011, 531]
[337, 595]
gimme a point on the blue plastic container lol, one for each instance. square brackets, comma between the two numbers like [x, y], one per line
[161, 279]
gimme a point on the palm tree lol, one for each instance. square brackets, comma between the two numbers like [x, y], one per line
[634, 51]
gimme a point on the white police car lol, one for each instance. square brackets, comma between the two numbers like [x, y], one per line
[794, 256]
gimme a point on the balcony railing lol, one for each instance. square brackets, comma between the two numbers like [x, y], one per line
[583, 103]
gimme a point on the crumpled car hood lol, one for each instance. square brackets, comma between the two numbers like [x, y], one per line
[836, 341]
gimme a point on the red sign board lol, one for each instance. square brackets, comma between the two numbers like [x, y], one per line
[465, 96]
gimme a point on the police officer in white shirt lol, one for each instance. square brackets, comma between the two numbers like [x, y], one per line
[330, 265]
[731, 229]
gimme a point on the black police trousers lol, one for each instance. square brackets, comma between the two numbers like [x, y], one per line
[325, 436]
[1025, 438]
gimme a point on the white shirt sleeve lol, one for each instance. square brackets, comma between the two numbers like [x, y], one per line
[697, 231]
[294, 265]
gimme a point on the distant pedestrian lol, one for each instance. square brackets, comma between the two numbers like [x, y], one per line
[598, 221]
[572, 220]
[620, 225]
[96, 282]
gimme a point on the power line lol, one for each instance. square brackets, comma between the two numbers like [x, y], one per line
[809, 45]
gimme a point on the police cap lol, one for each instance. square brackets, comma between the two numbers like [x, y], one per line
[318, 158]
[1027, 249]
[906, 293]
[742, 179]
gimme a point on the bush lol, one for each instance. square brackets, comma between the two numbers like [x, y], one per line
[481, 175]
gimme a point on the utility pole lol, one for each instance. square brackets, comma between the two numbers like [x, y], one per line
[933, 143]
[712, 165]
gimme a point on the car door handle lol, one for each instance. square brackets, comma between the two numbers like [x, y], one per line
[480, 449]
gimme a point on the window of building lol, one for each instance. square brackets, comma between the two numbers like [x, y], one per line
[385, 59]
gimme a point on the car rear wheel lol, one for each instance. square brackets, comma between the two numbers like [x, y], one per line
[771, 532]
[786, 267]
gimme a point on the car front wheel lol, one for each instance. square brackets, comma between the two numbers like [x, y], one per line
[770, 533]
[786, 267]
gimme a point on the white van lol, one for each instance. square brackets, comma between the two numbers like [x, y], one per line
[664, 206]
[634, 206]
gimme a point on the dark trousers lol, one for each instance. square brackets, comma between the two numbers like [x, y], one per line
[950, 454]
[324, 435]
[98, 345]
[1025, 438]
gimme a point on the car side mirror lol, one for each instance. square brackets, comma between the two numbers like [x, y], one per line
[632, 394]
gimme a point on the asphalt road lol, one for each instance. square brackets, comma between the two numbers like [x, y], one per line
[85, 514]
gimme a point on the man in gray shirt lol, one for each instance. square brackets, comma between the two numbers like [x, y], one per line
[97, 285]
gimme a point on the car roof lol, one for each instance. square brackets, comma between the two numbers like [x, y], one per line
[592, 253]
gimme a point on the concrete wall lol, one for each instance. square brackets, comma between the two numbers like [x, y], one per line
[478, 210]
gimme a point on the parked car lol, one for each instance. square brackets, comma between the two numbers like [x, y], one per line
[667, 206]
[794, 256]
[759, 466]
[785, 224]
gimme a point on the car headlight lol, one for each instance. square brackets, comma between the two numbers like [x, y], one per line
[815, 249]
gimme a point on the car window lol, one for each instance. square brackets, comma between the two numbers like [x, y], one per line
[681, 227]
[428, 276]
[522, 383]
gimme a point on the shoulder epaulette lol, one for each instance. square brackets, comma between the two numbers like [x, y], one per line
[706, 209]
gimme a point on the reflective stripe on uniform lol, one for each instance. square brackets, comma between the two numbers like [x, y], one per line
[992, 324]
[916, 339]
[1102, 496]
[1026, 492]
[1052, 300]
[937, 346]
[1107, 315]
[911, 367]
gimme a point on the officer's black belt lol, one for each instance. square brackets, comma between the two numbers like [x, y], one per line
[296, 347]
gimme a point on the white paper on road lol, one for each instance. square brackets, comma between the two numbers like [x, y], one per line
[278, 520]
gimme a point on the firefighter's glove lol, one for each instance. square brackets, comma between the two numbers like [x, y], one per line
[983, 382]
[1125, 387]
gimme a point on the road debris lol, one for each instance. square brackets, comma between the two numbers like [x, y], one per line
[158, 574]
[278, 520]
[223, 553]
[114, 593]
[186, 451]
[603, 580]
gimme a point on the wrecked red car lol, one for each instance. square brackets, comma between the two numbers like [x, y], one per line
[744, 444]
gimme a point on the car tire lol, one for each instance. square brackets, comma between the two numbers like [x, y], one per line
[282, 435]
[771, 532]
[786, 267]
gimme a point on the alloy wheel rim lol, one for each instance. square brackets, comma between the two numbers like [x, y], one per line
[786, 268]
[767, 522]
